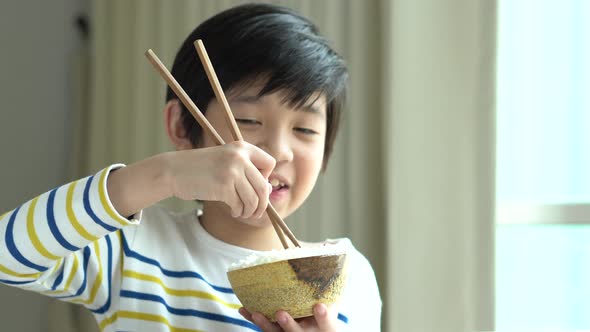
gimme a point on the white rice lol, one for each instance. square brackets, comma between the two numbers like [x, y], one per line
[263, 257]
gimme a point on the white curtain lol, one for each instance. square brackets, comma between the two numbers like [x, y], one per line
[411, 178]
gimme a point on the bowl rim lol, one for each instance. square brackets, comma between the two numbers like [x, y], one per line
[286, 260]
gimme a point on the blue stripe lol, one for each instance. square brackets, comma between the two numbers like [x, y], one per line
[12, 246]
[88, 209]
[53, 226]
[175, 274]
[59, 278]
[343, 318]
[83, 286]
[10, 282]
[189, 312]
[107, 304]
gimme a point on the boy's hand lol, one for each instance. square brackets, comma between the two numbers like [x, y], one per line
[235, 173]
[323, 319]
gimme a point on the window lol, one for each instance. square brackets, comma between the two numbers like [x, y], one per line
[543, 165]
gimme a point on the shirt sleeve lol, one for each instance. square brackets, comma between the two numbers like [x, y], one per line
[66, 243]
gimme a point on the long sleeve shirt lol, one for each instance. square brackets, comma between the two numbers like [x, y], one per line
[167, 274]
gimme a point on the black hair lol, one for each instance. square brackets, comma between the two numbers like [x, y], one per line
[268, 43]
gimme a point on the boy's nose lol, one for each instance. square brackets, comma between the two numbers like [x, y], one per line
[278, 147]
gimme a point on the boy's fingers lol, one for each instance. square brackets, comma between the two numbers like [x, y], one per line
[264, 323]
[287, 322]
[261, 186]
[323, 317]
[245, 313]
[248, 197]
[264, 162]
[235, 203]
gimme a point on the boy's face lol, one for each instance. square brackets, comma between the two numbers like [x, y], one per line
[293, 136]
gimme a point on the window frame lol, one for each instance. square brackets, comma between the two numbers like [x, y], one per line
[554, 214]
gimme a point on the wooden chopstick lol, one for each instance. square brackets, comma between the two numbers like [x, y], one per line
[229, 118]
[276, 218]
[279, 232]
[277, 222]
[186, 100]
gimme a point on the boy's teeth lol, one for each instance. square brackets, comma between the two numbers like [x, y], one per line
[274, 182]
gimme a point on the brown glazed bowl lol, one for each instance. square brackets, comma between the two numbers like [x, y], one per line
[293, 285]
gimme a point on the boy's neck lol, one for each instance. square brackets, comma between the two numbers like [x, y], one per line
[219, 223]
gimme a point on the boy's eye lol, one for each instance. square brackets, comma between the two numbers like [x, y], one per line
[306, 131]
[248, 121]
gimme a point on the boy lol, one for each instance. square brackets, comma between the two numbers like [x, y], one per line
[81, 242]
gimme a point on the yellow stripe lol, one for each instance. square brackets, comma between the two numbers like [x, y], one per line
[54, 271]
[72, 273]
[105, 203]
[56, 267]
[33, 233]
[72, 217]
[142, 316]
[4, 215]
[97, 281]
[69, 280]
[9, 272]
[108, 321]
[178, 292]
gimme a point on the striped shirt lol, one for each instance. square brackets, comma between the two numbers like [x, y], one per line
[168, 274]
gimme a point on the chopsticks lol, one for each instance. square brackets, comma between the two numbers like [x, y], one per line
[276, 220]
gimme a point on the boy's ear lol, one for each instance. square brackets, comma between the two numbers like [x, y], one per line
[174, 128]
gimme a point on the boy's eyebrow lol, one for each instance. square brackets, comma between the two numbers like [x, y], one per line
[255, 99]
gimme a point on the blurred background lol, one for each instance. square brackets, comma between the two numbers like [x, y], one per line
[460, 171]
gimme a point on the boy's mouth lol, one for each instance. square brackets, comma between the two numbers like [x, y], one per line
[278, 185]
[280, 188]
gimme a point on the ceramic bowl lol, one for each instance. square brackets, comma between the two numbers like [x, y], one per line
[294, 285]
